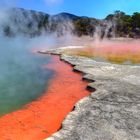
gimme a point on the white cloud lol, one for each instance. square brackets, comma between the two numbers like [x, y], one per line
[53, 2]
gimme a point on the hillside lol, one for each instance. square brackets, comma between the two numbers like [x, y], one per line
[32, 23]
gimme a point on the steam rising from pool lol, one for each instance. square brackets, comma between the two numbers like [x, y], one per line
[22, 77]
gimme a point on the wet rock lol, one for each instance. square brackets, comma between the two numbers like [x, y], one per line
[112, 112]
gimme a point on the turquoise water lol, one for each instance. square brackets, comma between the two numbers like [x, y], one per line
[22, 77]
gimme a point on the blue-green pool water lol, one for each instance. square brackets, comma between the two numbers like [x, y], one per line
[22, 77]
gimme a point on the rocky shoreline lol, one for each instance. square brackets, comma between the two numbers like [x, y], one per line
[112, 111]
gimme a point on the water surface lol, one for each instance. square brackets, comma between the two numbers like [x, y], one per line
[22, 76]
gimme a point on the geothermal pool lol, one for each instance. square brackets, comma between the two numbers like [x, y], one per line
[41, 118]
[125, 51]
[39, 90]
[22, 77]
[35, 96]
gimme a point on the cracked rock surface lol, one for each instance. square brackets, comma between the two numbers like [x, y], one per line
[112, 112]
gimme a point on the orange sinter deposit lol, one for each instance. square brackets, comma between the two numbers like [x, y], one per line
[41, 118]
[118, 52]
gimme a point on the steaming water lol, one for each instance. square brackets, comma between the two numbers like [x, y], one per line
[22, 77]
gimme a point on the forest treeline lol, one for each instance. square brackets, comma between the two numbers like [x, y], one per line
[126, 25]
[117, 24]
[33, 23]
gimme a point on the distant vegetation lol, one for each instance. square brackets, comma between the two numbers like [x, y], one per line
[32, 23]
[126, 25]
